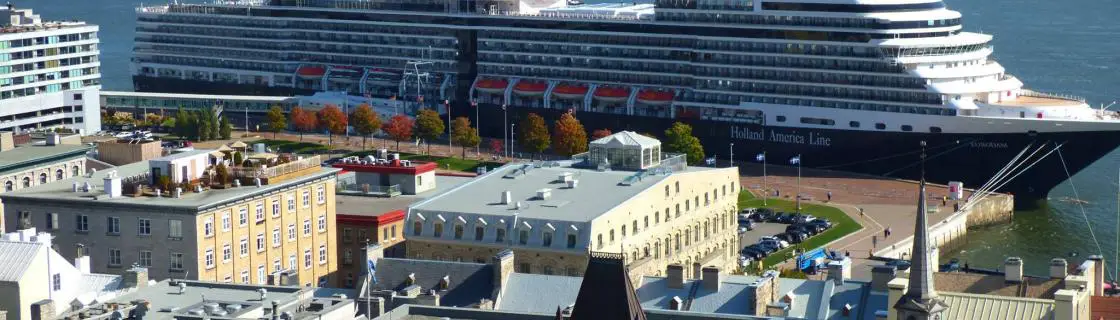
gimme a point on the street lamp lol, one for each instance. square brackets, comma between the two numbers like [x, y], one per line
[511, 126]
[505, 131]
[731, 159]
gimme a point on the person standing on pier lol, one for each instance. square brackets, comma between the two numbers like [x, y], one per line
[830, 196]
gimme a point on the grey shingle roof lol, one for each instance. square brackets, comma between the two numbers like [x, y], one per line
[470, 282]
[538, 293]
[16, 258]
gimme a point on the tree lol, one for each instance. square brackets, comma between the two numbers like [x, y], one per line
[464, 135]
[496, 146]
[429, 126]
[533, 133]
[226, 129]
[205, 126]
[600, 133]
[366, 122]
[568, 136]
[333, 120]
[399, 129]
[679, 139]
[183, 123]
[304, 121]
[221, 174]
[215, 123]
[276, 120]
[237, 158]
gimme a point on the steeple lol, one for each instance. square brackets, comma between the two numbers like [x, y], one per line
[921, 301]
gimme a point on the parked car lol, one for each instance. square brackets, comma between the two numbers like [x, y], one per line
[899, 264]
[743, 229]
[746, 223]
[812, 228]
[753, 253]
[792, 237]
[764, 250]
[763, 216]
[804, 218]
[748, 211]
[822, 222]
[786, 218]
[774, 241]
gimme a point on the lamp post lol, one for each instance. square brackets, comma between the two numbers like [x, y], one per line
[369, 278]
[731, 158]
[511, 126]
[477, 128]
[505, 131]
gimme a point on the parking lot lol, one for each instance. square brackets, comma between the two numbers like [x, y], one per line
[761, 229]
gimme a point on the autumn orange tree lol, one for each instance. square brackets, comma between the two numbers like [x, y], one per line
[365, 121]
[333, 120]
[303, 121]
[533, 133]
[464, 135]
[568, 136]
[600, 133]
[399, 129]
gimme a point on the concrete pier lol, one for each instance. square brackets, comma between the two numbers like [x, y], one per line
[951, 231]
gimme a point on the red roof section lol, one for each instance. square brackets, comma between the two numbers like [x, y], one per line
[385, 218]
[415, 169]
[1107, 308]
[311, 71]
[569, 89]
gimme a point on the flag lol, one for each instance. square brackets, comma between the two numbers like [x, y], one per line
[795, 160]
[372, 265]
[760, 157]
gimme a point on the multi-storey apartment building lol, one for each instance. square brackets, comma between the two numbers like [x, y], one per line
[50, 75]
[624, 196]
[278, 220]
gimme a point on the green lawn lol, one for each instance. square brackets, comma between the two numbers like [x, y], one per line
[842, 224]
[295, 146]
[457, 164]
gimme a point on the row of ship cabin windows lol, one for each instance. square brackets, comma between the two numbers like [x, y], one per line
[500, 234]
[853, 124]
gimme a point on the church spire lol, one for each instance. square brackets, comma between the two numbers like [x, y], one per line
[920, 300]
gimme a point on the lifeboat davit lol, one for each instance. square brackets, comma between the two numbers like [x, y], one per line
[345, 74]
[492, 85]
[311, 72]
[612, 94]
[381, 73]
[530, 88]
[568, 91]
[655, 97]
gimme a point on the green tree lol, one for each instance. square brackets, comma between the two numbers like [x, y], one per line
[276, 120]
[568, 136]
[464, 135]
[226, 129]
[533, 134]
[183, 124]
[205, 126]
[237, 158]
[215, 124]
[679, 139]
[429, 126]
[365, 122]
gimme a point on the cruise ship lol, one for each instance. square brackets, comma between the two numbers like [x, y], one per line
[848, 85]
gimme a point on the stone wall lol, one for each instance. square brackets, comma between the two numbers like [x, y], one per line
[994, 209]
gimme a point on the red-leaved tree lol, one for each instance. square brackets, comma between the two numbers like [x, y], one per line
[399, 129]
[333, 120]
[303, 121]
[600, 133]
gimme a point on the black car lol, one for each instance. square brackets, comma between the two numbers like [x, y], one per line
[787, 218]
[795, 237]
[899, 264]
[770, 248]
[763, 216]
[815, 228]
[764, 250]
[806, 229]
[753, 253]
[822, 222]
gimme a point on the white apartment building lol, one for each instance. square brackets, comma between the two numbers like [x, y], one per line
[50, 74]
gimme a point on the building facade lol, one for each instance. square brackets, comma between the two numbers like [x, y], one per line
[237, 233]
[50, 72]
[29, 166]
[665, 215]
[385, 229]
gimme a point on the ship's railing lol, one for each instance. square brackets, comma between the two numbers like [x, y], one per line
[1036, 94]
[561, 15]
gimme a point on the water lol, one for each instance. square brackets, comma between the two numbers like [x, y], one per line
[1067, 46]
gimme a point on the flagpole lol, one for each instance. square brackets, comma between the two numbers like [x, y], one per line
[765, 192]
[369, 276]
[450, 149]
[477, 129]
[798, 183]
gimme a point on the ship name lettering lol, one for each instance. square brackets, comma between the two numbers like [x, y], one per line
[988, 145]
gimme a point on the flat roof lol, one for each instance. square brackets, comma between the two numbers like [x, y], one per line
[62, 191]
[29, 155]
[375, 206]
[165, 294]
[595, 193]
[736, 296]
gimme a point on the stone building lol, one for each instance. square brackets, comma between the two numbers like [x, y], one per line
[267, 220]
[32, 165]
[553, 213]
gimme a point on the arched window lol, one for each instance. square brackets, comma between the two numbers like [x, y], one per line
[417, 228]
[26, 182]
[612, 235]
[600, 238]
[74, 171]
[43, 178]
[523, 237]
[571, 241]
[479, 233]
[500, 236]
[438, 230]
[8, 185]
[687, 234]
[624, 231]
[458, 231]
[58, 174]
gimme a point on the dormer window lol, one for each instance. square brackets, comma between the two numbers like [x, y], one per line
[546, 239]
[479, 233]
[438, 233]
[417, 228]
[523, 237]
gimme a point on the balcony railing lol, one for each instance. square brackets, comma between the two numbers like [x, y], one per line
[279, 170]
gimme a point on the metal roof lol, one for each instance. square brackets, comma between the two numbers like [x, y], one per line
[26, 156]
[522, 292]
[964, 306]
[626, 138]
[16, 258]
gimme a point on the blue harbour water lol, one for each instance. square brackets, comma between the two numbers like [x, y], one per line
[1068, 46]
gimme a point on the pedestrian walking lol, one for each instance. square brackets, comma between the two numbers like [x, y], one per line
[861, 213]
[944, 201]
[874, 241]
[888, 231]
[777, 193]
[830, 196]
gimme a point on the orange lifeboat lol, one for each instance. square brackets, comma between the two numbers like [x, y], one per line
[655, 97]
[530, 88]
[492, 85]
[612, 94]
[568, 91]
[311, 72]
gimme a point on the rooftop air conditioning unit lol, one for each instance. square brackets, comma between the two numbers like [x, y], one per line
[544, 194]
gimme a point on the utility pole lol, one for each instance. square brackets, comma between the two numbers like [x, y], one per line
[511, 126]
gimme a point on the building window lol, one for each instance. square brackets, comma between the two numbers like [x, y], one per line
[645, 223]
[523, 237]
[227, 253]
[74, 171]
[262, 277]
[276, 265]
[347, 234]
[176, 261]
[43, 178]
[362, 235]
[144, 227]
[225, 221]
[244, 276]
[349, 280]
[458, 232]
[276, 237]
[546, 239]
[624, 231]
[393, 232]
[322, 223]
[114, 257]
[571, 241]
[347, 257]
[657, 216]
[907, 128]
[56, 282]
[113, 225]
[612, 235]
[320, 195]
[524, 268]
[306, 199]
[291, 204]
[500, 235]
[677, 187]
[307, 259]
[260, 212]
[26, 182]
[145, 258]
[306, 227]
[208, 226]
[8, 186]
[417, 228]
[244, 246]
[291, 232]
[292, 262]
[479, 233]
[599, 244]
[275, 208]
[81, 223]
[260, 242]
[59, 174]
[438, 230]
[322, 254]
[175, 229]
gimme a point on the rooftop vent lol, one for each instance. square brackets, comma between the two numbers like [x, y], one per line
[544, 194]
[566, 176]
[507, 197]
[572, 184]
[233, 308]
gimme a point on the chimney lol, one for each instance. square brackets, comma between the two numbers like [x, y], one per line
[765, 292]
[445, 282]
[82, 263]
[137, 277]
[502, 263]
[1059, 268]
[507, 197]
[112, 184]
[1098, 275]
[676, 304]
[710, 278]
[896, 289]
[411, 281]
[1013, 269]
[840, 270]
[42, 310]
[1066, 305]
[53, 139]
[676, 275]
